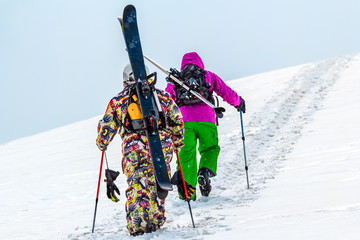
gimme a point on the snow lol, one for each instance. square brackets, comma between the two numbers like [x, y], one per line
[302, 147]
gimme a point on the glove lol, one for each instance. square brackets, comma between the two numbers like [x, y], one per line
[178, 181]
[102, 146]
[177, 147]
[242, 106]
[111, 176]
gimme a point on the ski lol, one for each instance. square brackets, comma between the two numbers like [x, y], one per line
[218, 110]
[147, 99]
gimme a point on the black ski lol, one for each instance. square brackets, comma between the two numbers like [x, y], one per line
[146, 97]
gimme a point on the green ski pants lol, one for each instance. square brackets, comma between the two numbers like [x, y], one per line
[209, 149]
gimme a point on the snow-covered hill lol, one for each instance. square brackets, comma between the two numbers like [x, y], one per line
[303, 148]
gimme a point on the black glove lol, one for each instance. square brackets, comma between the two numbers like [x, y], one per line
[178, 181]
[111, 176]
[242, 106]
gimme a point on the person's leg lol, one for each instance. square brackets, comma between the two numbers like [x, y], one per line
[156, 208]
[208, 146]
[209, 152]
[144, 212]
[135, 214]
[187, 155]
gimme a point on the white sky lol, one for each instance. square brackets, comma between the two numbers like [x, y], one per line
[62, 61]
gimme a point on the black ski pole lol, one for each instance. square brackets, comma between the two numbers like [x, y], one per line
[243, 139]
[186, 193]
[98, 188]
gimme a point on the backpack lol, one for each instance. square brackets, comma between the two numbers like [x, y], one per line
[194, 78]
[134, 120]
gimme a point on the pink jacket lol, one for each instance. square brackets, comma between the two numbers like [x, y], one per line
[201, 111]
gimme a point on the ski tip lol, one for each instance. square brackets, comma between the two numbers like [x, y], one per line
[129, 8]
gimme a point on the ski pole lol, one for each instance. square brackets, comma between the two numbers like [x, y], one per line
[243, 139]
[98, 188]
[186, 193]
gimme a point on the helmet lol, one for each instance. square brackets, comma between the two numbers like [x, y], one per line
[128, 75]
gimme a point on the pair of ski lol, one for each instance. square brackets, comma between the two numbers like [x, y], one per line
[146, 97]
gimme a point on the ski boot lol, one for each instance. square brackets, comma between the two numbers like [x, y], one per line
[150, 227]
[204, 181]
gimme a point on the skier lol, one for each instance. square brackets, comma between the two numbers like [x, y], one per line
[199, 121]
[145, 211]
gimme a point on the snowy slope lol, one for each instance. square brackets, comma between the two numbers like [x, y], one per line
[302, 146]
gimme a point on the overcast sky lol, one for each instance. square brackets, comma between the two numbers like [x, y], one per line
[61, 61]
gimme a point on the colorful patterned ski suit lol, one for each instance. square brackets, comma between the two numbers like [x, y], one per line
[144, 209]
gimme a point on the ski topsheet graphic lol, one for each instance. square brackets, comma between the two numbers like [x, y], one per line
[146, 98]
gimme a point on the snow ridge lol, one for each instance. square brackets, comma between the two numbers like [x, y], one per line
[271, 133]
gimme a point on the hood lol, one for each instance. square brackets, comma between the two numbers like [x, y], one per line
[192, 58]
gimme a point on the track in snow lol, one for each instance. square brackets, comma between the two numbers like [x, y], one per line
[276, 127]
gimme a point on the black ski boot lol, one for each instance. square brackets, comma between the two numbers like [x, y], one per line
[150, 227]
[204, 181]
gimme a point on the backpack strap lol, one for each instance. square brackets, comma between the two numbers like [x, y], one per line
[134, 120]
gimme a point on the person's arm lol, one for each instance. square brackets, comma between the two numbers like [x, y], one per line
[107, 127]
[224, 91]
[175, 122]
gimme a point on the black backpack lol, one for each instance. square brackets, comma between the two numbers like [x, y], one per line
[194, 78]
